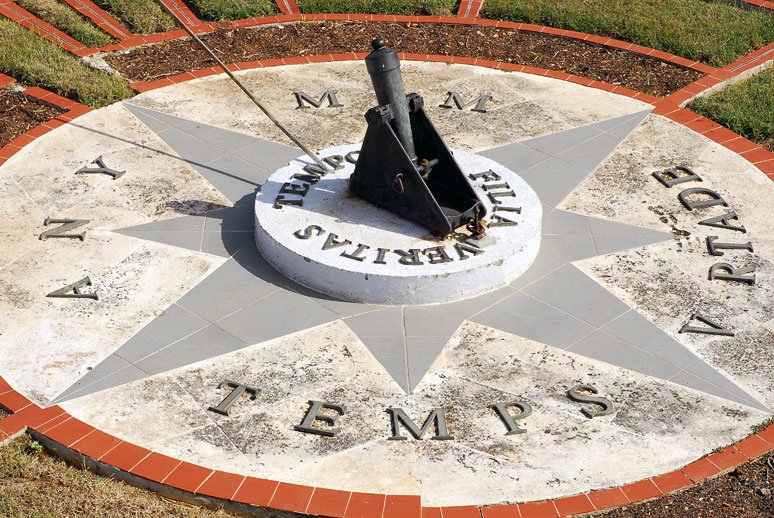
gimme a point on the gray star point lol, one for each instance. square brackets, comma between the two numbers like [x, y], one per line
[552, 303]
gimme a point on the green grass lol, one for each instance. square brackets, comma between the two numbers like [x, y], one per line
[68, 21]
[140, 16]
[33, 484]
[35, 61]
[713, 32]
[746, 108]
[216, 10]
[411, 7]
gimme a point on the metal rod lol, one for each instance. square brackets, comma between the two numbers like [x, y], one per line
[249, 94]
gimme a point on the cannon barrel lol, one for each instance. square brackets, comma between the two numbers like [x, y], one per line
[384, 68]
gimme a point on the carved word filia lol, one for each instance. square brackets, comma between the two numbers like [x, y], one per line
[321, 417]
[699, 198]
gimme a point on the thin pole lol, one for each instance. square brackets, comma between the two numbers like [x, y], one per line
[249, 94]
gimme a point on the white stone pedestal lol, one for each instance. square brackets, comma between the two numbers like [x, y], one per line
[325, 238]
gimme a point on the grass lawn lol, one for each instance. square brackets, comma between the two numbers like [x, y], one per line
[67, 20]
[140, 16]
[35, 61]
[713, 32]
[34, 484]
[746, 108]
[413, 7]
[215, 10]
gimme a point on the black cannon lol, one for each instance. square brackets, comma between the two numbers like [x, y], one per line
[404, 165]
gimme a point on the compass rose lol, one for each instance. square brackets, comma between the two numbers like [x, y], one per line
[246, 302]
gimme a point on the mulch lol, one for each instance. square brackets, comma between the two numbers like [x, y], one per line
[18, 114]
[641, 73]
[745, 492]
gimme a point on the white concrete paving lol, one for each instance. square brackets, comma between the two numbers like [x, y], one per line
[658, 425]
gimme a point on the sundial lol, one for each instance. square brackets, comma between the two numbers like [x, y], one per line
[543, 290]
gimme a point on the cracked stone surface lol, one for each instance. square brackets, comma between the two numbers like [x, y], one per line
[186, 302]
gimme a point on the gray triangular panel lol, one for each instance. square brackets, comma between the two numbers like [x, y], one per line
[553, 165]
[111, 372]
[235, 163]
[383, 333]
[220, 232]
[428, 330]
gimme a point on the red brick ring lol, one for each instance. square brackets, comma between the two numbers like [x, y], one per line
[82, 443]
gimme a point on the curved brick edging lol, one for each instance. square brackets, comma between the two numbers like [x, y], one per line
[72, 110]
[181, 479]
[26, 19]
[329, 17]
[100, 18]
[760, 157]
[469, 8]
[760, 3]
[73, 438]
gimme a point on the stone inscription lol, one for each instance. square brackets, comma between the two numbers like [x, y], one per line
[74, 291]
[66, 226]
[693, 198]
[293, 192]
[237, 390]
[479, 102]
[329, 94]
[100, 168]
[322, 417]
[459, 251]
[498, 193]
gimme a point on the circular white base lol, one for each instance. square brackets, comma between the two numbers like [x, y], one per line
[328, 239]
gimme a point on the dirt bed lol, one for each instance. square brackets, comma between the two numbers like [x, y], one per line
[745, 492]
[308, 39]
[18, 115]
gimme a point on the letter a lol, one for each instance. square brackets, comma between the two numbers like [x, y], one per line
[713, 329]
[73, 291]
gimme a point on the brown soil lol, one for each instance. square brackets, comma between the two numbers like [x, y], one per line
[308, 39]
[745, 492]
[18, 115]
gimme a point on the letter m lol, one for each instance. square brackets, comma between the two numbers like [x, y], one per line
[461, 105]
[328, 94]
[437, 416]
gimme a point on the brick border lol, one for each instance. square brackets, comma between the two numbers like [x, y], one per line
[75, 439]
[760, 3]
[755, 154]
[189, 481]
[6, 80]
[326, 17]
[16, 13]
[182, 10]
[100, 18]
[72, 110]
[469, 8]
[287, 6]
